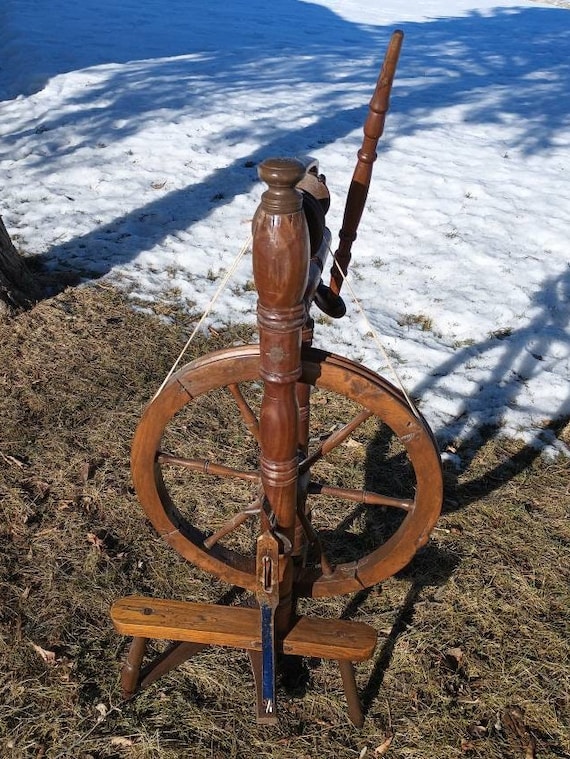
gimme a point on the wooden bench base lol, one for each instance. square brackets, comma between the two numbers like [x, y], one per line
[194, 626]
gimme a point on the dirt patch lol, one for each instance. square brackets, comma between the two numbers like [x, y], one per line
[474, 636]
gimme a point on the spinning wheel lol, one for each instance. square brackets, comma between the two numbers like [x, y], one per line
[277, 518]
[372, 398]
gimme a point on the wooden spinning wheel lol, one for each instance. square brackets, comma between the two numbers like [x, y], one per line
[374, 397]
[285, 533]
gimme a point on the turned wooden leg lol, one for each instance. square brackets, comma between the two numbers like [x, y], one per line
[175, 655]
[352, 699]
[131, 667]
[255, 661]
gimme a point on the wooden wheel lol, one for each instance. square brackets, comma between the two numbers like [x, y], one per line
[205, 497]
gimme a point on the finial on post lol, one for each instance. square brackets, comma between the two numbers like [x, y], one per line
[280, 244]
[281, 175]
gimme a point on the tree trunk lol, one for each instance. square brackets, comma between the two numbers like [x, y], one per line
[18, 290]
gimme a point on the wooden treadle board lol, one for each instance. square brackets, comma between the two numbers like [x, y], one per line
[239, 627]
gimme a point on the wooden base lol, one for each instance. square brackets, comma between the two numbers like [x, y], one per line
[195, 625]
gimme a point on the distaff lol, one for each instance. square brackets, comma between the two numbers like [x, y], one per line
[328, 298]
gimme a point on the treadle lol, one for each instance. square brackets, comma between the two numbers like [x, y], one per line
[238, 627]
[330, 639]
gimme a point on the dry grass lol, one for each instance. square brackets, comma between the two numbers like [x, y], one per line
[474, 647]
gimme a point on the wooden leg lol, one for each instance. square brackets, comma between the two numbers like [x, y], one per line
[255, 659]
[349, 684]
[131, 667]
[175, 655]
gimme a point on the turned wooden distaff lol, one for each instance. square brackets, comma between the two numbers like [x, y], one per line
[328, 298]
[280, 268]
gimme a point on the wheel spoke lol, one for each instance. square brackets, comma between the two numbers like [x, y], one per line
[333, 440]
[361, 496]
[207, 467]
[232, 524]
[246, 412]
[313, 537]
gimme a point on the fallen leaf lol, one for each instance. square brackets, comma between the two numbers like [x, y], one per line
[363, 752]
[512, 719]
[95, 540]
[47, 656]
[118, 740]
[351, 443]
[477, 730]
[86, 472]
[12, 460]
[382, 749]
[454, 657]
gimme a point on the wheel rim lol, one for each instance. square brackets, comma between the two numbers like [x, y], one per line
[328, 373]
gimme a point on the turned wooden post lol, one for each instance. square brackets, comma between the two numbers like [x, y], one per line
[360, 184]
[280, 268]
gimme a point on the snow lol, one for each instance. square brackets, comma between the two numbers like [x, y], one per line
[130, 134]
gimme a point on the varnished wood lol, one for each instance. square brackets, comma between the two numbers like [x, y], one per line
[207, 467]
[360, 184]
[175, 655]
[351, 693]
[361, 496]
[238, 627]
[280, 257]
[324, 371]
[131, 668]
[247, 414]
[330, 639]
[165, 619]
[333, 440]
[290, 247]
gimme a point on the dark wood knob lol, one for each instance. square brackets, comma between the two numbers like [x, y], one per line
[281, 175]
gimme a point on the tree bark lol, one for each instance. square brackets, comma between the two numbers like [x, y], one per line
[18, 289]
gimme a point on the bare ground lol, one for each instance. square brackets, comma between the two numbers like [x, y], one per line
[473, 657]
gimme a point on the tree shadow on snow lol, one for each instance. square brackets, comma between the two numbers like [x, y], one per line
[520, 355]
[200, 57]
[516, 357]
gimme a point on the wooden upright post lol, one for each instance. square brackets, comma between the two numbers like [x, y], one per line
[280, 269]
[281, 253]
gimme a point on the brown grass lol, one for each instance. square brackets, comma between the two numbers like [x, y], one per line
[474, 636]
